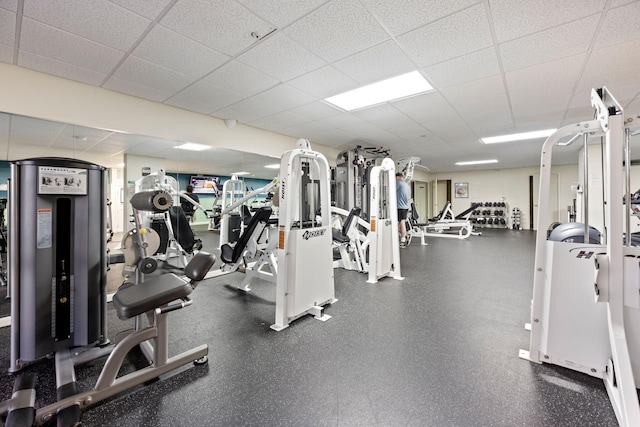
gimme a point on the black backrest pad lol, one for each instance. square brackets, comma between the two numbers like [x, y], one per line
[414, 212]
[261, 216]
[199, 266]
[347, 222]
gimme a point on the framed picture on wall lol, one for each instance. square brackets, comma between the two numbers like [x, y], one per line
[461, 190]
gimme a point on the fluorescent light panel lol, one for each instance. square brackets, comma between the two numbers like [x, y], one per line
[192, 146]
[518, 136]
[476, 162]
[386, 90]
[274, 166]
[240, 173]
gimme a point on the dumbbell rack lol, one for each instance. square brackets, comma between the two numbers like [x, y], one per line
[490, 215]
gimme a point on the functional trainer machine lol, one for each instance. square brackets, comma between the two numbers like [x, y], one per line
[305, 266]
[384, 249]
[591, 326]
[58, 281]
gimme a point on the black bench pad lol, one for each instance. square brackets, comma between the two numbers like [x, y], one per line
[134, 300]
[337, 236]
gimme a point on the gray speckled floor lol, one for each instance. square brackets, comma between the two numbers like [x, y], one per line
[437, 349]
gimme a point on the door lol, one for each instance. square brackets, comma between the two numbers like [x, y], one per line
[420, 199]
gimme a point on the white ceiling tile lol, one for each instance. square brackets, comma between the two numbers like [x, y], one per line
[316, 110]
[223, 25]
[337, 29]
[97, 20]
[153, 76]
[324, 82]
[538, 77]
[7, 27]
[616, 67]
[172, 50]
[279, 121]
[147, 8]
[377, 63]
[513, 19]
[281, 58]
[281, 12]
[620, 25]
[448, 38]
[241, 79]
[544, 46]
[25, 152]
[6, 53]
[61, 69]
[245, 111]
[11, 5]
[62, 46]
[478, 89]
[203, 98]
[474, 66]
[349, 123]
[401, 16]
[633, 109]
[487, 123]
[282, 97]
[135, 89]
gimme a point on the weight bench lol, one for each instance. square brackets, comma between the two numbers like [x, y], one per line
[347, 240]
[154, 298]
[247, 250]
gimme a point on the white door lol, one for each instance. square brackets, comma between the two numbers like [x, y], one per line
[552, 194]
[420, 199]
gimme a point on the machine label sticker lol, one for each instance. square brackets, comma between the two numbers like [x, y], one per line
[44, 228]
[311, 234]
[54, 180]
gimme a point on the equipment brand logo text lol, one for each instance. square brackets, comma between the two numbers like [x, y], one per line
[311, 234]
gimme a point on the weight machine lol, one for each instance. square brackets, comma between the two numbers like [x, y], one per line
[305, 266]
[58, 281]
[350, 238]
[587, 327]
[384, 249]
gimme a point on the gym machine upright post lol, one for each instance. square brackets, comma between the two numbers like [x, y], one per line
[58, 281]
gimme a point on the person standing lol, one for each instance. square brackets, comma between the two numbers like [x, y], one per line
[402, 196]
[188, 207]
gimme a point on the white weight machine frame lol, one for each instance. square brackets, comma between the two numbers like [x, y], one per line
[447, 226]
[384, 248]
[231, 189]
[353, 255]
[305, 271]
[574, 324]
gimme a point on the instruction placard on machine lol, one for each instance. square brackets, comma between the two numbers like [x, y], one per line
[55, 180]
[44, 228]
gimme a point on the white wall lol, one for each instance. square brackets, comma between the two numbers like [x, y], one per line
[43, 96]
[510, 185]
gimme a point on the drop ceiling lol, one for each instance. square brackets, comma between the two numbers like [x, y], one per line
[497, 66]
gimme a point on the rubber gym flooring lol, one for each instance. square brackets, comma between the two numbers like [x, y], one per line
[439, 348]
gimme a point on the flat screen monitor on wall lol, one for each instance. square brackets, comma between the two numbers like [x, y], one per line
[205, 184]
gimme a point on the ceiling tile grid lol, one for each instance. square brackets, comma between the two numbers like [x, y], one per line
[323, 82]
[62, 46]
[7, 27]
[474, 66]
[279, 121]
[448, 38]
[135, 89]
[223, 25]
[61, 69]
[401, 16]
[148, 8]
[11, 5]
[281, 57]
[316, 110]
[337, 30]
[6, 54]
[281, 12]
[617, 28]
[153, 76]
[241, 79]
[97, 20]
[376, 63]
[174, 51]
[204, 98]
[514, 19]
[543, 47]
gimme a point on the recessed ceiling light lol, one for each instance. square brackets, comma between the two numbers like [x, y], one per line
[273, 166]
[477, 162]
[192, 146]
[518, 136]
[386, 90]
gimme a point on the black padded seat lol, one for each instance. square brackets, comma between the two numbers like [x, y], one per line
[132, 300]
[338, 237]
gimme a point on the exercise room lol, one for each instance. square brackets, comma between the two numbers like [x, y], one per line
[319, 213]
